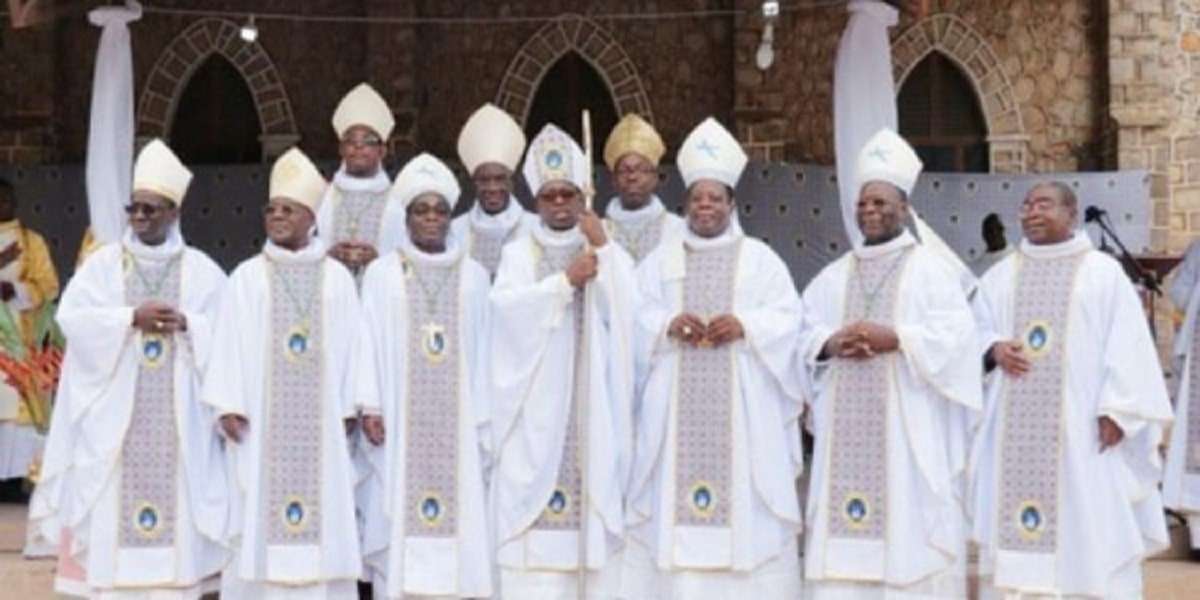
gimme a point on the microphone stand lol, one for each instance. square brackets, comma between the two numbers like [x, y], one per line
[1147, 277]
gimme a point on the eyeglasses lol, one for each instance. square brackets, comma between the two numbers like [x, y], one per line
[566, 195]
[421, 209]
[631, 171]
[149, 210]
[284, 210]
[368, 141]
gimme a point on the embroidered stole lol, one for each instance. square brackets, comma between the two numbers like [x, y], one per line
[639, 240]
[486, 245]
[704, 404]
[290, 504]
[562, 508]
[358, 216]
[432, 411]
[1191, 463]
[856, 500]
[1031, 411]
[150, 463]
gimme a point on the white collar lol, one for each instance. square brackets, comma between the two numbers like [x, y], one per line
[730, 235]
[502, 221]
[559, 239]
[1078, 242]
[374, 184]
[652, 210]
[900, 242]
[314, 251]
[169, 249]
[453, 252]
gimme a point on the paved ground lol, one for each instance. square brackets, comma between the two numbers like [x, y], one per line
[1168, 579]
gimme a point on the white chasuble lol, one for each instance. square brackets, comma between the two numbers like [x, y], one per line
[132, 466]
[552, 353]
[426, 529]
[484, 235]
[294, 361]
[885, 507]
[712, 503]
[1054, 514]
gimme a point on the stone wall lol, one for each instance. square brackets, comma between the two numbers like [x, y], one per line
[1038, 68]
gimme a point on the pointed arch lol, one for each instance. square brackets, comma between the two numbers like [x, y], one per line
[571, 32]
[966, 48]
[190, 49]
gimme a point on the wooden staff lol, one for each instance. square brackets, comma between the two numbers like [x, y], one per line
[583, 452]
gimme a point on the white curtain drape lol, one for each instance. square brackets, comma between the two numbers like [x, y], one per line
[109, 169]
[864, 95]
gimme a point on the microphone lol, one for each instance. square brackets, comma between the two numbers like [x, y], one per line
[1094, 214]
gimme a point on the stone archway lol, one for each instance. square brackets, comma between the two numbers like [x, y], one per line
[955, 39]
[208, 36]
[595, 44]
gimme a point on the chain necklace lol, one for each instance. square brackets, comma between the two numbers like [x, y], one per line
[153, 287]
[869, 297]
[431, 295]
[302, 310]
[355, 216]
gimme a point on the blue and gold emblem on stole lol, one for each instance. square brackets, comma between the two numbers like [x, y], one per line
[294, 514]
[558, 505]
[856, 510]
[702, 499]
[147, 521]
[430, 509]
[433, 342]
[1038, 338]
[1030, 520]
[153, 348]
[296, 343]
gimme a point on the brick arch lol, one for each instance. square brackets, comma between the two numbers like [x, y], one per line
[567, 33]
[958, 41]
[195, 44]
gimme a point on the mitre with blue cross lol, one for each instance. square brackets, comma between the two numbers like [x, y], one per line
[364, 106]
[711, 152]
[425, 174]
[158, 171]
[554, 156]
[887, 157]
[296, 178]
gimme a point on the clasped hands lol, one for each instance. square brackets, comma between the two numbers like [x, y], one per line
[355, 255]
[158, 317]
[692, 330]
[861, 340]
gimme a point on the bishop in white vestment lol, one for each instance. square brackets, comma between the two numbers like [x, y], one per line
[891, 343]
[713, 511]
[292, 361]
[1181, 482]
[562, 375]
[357, 219]
[636, 217]
[490, 146]
[132, 477]
[426, 308]
[1066, 466]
